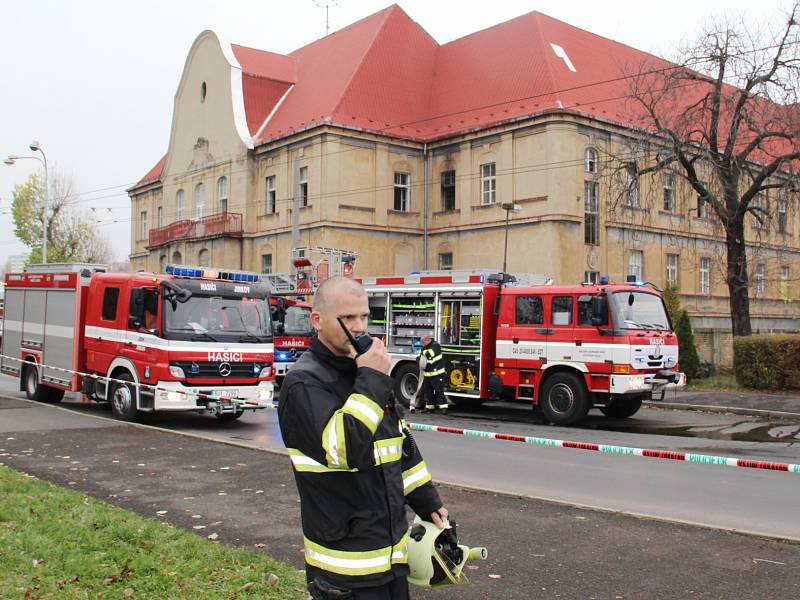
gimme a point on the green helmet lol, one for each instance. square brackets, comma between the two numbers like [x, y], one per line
[434, 556]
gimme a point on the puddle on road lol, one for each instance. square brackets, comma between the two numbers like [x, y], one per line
[740, 432]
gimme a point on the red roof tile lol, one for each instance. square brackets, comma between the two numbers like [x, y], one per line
[152, 175]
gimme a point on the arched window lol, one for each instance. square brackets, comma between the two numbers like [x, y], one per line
[203, 91]
[203, 258]
[222, 194]
[199, 201]
[590, 160]
[177, 258]
[179, 205]
[162, 263]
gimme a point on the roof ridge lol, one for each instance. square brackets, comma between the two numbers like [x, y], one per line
[390, 11]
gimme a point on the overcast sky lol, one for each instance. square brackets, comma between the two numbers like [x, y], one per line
[93, 80]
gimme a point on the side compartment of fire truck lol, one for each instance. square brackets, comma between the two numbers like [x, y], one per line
[453, 318]
[41, 341]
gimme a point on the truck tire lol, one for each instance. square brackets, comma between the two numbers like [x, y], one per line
[40, 393]
[230, 416]
[406, 379]
[622, 408]
[122, 398]
[564, 399]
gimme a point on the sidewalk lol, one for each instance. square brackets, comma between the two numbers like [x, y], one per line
[746, 403]
[248, 498]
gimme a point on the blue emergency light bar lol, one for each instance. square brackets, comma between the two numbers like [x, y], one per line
[206, 273]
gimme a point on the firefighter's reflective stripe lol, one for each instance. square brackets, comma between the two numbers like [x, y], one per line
[356, 563]
[359, 407]
[388, 450]
[432, 358]
[434, 373]
[304, 463]
[415, 477]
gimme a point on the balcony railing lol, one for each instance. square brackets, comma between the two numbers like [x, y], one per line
[220, 224]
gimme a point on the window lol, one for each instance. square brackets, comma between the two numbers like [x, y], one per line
[266, 263]
[271, 199]
[203, 91]
[143, 225]
[110, 301]
[784, 284]
[673, 260]
[529, 310]
[591, 276]
[162, 263]
[705, 275]
[445, 261]
[401, 192]
[562, 310]
[669, 193]
[448, 190]
[631, 186]
[761, 279]
[303, 184]
[635, 264]
[585, 313]
[702, 205]
[222, 194]
[591, 222]
[177, 258]
[758, 209]
[590, 160]
[488, 183]
[203, 258]
[160, 216]
[179, 205]
[199, 201]
[781, 216]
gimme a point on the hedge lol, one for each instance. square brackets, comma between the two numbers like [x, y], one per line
[767, 362]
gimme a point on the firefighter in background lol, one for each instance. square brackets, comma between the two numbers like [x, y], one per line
[433, 384]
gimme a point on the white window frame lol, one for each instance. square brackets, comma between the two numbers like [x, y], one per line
[402, 191]
[673, 268]
[266, 258]
[160, 216]
[302, 184]
[222, 194]
[784, 283]
[591, 276]
[783, 220]
[449, 185]
[590, 160]
[761, 280]
[761, 217]
[591, 212]
[631, 186]
[636, 264]
[488, 183]
[705, 275]
[444, 265]
[143, 225]
[702, 205]
[199, 200]
[270, 196]
[180, 205]
[669, 192]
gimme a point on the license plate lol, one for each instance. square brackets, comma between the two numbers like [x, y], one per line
[226, 394]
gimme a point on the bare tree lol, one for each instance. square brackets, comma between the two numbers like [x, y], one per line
[725, 119]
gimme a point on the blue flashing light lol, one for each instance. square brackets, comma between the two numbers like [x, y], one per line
[282, 356]
[604, 280]
[208, 273]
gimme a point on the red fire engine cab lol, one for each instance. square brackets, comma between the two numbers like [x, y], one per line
[193, 339]
[563, 348]
[291, 330]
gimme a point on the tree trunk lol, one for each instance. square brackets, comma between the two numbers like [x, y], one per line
[737, 279]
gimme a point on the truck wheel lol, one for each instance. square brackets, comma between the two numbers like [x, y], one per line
[123, 399]
[40, 393]
[406, 380]
[230, 416]
[622, 408]
[564, 399]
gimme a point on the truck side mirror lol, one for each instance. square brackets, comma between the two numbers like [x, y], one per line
[599, 311]
[136, 313]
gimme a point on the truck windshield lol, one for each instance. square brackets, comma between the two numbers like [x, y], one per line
[639, 310]
[218, 318]
[297, 321]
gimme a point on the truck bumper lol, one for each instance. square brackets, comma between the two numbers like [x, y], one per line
[173, 395]
[647, 382]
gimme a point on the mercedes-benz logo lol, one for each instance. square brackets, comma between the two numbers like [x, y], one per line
[225, 369]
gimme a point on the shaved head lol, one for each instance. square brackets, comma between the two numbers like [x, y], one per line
[329, 290]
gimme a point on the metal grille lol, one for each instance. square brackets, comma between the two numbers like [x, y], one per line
[208, 370]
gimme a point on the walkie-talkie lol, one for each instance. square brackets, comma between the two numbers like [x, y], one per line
[361, 343]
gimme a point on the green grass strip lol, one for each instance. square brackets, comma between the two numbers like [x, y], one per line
[57, 543]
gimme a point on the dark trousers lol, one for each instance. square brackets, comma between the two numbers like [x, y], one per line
[433, 392]
[396, 589]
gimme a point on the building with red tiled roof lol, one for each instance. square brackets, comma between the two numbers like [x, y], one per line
[380, 140]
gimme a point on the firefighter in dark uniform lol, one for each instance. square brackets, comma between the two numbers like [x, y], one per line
[433, 385]
[355, 463]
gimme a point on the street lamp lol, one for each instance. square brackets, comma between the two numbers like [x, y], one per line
[509, 207]
[12, 158]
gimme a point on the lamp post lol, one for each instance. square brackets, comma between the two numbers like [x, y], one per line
[36, 147]
[509, 207]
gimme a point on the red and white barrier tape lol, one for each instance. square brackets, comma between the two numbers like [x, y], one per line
[705, 459]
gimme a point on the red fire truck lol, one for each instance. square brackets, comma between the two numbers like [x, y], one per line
[192, 339]
[565, 349]
[291, 330]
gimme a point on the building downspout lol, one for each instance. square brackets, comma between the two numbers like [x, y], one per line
[425, 205]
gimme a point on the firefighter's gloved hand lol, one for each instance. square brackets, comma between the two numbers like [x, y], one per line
[322, 590]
